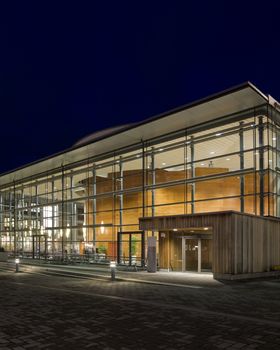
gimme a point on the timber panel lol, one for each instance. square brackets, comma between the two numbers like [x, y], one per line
[242, 243]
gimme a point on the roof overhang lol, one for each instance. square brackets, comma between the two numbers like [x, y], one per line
[228, 102]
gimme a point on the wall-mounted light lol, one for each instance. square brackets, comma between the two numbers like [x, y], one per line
[102, 228]
[67, 231]
[84, 232]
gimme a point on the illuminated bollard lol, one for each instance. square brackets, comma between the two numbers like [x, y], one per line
[17, 264]
[113, 270]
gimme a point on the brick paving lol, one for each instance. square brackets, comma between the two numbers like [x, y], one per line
[41, 311]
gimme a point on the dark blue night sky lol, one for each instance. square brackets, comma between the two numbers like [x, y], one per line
[68, 70]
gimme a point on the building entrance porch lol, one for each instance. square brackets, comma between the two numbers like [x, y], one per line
[186, 250]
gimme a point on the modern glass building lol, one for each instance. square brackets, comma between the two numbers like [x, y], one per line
[203, 179]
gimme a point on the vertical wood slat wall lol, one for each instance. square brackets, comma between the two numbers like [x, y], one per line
[242, 243]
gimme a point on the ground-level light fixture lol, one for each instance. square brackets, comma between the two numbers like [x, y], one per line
[17, 264]
[113, 266]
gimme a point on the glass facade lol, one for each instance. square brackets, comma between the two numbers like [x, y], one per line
[79, 209]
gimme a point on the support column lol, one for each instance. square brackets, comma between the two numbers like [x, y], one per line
[62, 212]
[152, 256]
[119, 189]
[261, 164]
[14, 218]
[241, 155]
[192, 175]
[94, 207]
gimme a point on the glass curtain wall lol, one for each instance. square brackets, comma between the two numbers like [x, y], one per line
[79, 210]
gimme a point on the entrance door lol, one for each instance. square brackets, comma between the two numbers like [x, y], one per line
[39, 246]
[196, 254]
[190, 254]
[131, 248]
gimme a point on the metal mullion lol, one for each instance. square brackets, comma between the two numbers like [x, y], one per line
[15, 221]
[186, 175]
[193, 176]
[94, 204]
[268, 154]
[241, 147]
[153, 183]
[261, 165]
[72, 213]
[121, 193]
[62, 211]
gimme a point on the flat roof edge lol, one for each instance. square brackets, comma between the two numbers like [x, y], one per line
[148, 120]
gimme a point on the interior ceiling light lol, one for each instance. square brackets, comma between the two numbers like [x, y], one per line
[274, 138]
[202, 164]
[212, 152]
[163, 163]
[218, 134]
[228, 159]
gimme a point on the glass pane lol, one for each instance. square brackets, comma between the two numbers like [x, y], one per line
[191, 251]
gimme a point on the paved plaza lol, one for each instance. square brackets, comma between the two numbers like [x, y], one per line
[44, 309]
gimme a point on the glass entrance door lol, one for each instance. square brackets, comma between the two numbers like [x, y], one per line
[39, 246]
[196, 254]
[131, 248]
[191, 255]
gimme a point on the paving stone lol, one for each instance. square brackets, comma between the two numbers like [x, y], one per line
[50, 312]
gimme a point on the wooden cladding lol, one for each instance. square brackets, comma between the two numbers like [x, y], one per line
[242, 243]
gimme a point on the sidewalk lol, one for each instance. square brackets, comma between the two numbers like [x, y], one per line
[179, 279]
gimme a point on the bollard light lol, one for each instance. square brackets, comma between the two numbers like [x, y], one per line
[17, 264]
[113, 270]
